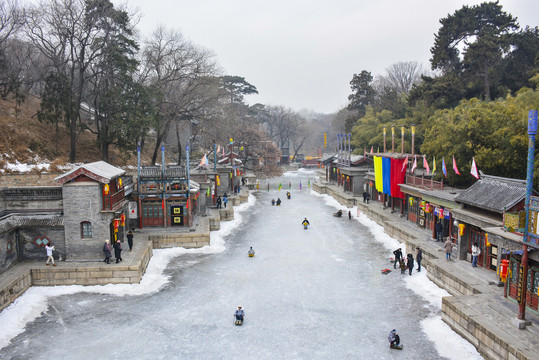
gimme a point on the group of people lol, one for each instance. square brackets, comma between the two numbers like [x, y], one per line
[278, 202]
[220, 201]
[408, 262]
[117, 248]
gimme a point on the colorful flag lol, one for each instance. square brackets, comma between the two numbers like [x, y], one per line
[364, 152]
[444, 170]
[223, 150]
[280, 186]
[474, 171]
[378, 151]
[268, 186]
[308, 183]
[426, 164]
[404, 164]
[203, 162]
[300, 184]
[372, 149]
[290, 184]
[414, 166]
[208, 192]
[455, 168]
[433, 164]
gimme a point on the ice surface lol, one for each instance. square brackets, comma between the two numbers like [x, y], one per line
[308, 294]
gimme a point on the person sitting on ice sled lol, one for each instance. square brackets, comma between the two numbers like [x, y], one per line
[239, 314]
[338, 213]
[288, 195]
[278, 201]
[251, 252]
[305, 223]
[393, 338]
[273, 202]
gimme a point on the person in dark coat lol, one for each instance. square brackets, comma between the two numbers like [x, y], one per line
[118, 251]
[130, 239]
[218, 202]
[398, 257]
[349, 215]
[418, 258]
[410, 263]
[439, 230]
[106, 250]
[364, 196]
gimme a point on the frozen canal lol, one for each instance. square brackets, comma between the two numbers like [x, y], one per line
[307, 294]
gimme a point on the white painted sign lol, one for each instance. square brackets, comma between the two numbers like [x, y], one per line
[133, 214]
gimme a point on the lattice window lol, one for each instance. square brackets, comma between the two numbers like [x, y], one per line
[86, 229]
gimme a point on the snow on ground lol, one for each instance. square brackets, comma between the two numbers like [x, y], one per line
[437, 331]
[34, 301]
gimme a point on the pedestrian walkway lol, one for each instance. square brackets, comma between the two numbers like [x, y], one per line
[477, 310]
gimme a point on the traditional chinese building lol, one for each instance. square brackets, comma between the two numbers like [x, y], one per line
[94, 208]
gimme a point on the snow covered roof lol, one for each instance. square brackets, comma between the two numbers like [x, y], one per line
[194, 187]
[100, 171]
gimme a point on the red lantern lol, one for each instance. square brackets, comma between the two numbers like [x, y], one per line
[122, 219]
[504, 267]
[116, 223]
[187, 204]
[106, 189]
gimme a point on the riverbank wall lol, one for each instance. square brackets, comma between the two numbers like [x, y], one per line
[476, 310]
[15, 281]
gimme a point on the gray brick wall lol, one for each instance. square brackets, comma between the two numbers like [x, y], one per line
[83, 202]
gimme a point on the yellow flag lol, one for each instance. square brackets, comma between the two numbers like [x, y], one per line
[433, 164]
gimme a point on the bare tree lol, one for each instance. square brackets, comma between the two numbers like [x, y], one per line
[11, 19]
[184, 77]
[70, 36]
[403, 75]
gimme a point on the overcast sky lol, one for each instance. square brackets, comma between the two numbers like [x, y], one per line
[302, 54]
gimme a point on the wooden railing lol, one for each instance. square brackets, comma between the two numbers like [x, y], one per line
[110, 201]
[422, 182]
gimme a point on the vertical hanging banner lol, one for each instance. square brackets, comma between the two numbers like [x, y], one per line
[378, 177]
[397, 177]
[386, 171]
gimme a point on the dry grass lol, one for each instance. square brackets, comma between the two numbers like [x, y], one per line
[25, 139]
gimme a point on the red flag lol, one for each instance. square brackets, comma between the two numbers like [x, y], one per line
[474, 171]
[163, 204]
[364, 152]
[455, 166]
[372, 149]
[404, 164]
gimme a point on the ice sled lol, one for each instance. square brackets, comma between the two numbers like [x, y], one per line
[239, 322]
[397, 347]
[386, 271]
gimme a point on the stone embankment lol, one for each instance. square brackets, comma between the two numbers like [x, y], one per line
[15, 281]
[477, 309]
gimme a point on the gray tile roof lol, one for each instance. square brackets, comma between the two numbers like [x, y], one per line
[493, 193]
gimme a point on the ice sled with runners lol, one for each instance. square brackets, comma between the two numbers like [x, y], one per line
[396, 347]
[238, 322]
